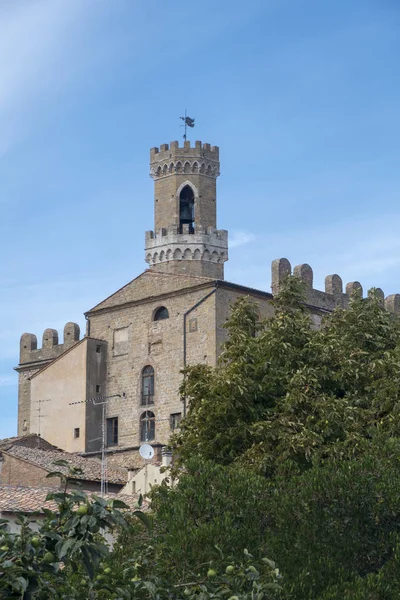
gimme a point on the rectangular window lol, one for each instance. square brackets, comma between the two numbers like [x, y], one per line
[98, 349]
[97, 389]
[175, 420]
[76, 432]
[112, 431]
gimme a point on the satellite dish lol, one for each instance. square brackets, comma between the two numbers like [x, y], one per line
[146, 451]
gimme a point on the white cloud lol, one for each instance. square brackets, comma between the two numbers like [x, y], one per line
[240, 238]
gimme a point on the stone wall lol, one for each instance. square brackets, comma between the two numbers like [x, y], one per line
[15, 471]
[159, 344]
[32, 359]
[333, 295]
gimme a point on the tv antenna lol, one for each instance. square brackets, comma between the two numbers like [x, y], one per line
[101, 401]
[188, 121]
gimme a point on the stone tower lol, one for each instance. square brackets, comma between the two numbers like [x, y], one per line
[185, 238]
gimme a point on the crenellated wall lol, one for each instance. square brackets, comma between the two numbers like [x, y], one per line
[171, 158]
[333, 295]
[32, 359]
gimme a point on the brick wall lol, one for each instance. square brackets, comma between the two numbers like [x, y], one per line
[15, 471]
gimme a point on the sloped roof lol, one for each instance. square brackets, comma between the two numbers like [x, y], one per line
[33, 440]
[150, 284]
[91, 468]
[31, 500]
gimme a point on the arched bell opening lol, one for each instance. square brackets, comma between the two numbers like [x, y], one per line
[186, 208]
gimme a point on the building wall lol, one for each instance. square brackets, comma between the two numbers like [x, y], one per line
[224, 302]
[14, 527]
[32, 359]
[160, 345]
[53, 389]
[15, 471]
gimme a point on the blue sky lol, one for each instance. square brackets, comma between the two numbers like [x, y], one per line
[301, 96]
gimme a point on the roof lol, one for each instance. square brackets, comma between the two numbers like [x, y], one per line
[31, 500]
[148, 285]
[91, 468]
[33, 440]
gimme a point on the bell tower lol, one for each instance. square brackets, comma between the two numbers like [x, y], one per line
[185, 238]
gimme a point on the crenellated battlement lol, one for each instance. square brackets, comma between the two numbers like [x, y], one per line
[50, 349]
[175, 230]
[172, 159]
[333, 295]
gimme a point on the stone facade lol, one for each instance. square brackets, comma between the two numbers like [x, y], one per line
[185, 238]
[139, 339]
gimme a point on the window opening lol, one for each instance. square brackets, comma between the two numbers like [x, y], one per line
[97, 389]
[175, 420]
[112, 431]
[161, 313]
[186, 208]
[98, 349]
[76, 432]
[147, 426]
[147, 386]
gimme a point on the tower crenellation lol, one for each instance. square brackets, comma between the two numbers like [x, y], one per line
[185, 238]
[333, 295]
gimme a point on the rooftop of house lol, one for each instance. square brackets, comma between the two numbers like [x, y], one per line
[32, 440]
[90, 467]
[27, 500]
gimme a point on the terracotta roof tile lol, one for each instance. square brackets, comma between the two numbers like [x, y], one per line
[91, 467]
[32, 500]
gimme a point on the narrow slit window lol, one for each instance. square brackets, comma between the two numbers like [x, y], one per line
[186, 208]
[112, 431]
[147, 386]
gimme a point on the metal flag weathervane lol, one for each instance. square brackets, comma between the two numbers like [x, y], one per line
[189, 122]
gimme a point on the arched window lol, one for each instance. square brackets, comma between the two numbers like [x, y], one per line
[186, 208]
[147, 386]
[161, 313]
[147, 426]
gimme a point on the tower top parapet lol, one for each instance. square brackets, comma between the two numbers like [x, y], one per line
[173, 149]
[186, 238]
[172, 159]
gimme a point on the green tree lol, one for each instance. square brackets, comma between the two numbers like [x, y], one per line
[284, 393]
[68, 558]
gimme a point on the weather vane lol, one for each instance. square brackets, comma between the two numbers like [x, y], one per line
[189, 122]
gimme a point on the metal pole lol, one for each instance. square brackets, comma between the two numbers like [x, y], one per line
[103, 452]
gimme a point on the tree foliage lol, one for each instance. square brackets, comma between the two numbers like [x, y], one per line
[285, 393]
[68, 558]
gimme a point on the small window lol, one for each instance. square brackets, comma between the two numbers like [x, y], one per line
[175, 420]
[161, 313]
[112, 431]
[97, 389]
[147, 386]
[98, 349]
[147, 426]
[77, 432]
